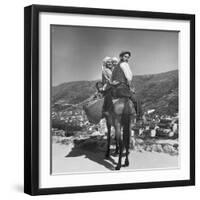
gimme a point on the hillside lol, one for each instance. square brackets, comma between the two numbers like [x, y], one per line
[73, 92]
[157, 91]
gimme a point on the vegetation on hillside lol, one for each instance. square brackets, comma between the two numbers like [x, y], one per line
[156, 91]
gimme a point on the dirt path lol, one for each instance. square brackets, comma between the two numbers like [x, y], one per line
[68, 159]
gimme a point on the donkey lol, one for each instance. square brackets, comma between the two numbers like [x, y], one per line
[121, 116]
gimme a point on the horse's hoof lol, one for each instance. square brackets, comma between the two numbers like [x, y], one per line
[117, 167]
[126, 164]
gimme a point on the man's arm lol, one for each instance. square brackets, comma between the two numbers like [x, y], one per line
[127, 71]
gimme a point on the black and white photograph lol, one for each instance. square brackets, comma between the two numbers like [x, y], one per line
[109, 100]
[99, 100]
[114, 99]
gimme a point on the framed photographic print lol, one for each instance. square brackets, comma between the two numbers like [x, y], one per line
[109, 99]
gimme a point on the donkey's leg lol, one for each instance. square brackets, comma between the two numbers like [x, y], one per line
[126, 136]
[108, 140]
[127, 144]
[119, 142]
[117, 146]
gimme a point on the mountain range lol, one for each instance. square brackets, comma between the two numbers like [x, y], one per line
[156, 91]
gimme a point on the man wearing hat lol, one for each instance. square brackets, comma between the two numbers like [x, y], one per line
[121, 79]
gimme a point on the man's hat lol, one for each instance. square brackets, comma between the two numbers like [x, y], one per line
[125, 52]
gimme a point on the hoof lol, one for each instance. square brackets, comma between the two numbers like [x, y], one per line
[116, 151]
[115, 154]
[126, 164]
[107, 156]
[117, 167]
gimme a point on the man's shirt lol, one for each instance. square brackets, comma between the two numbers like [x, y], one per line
[127, 71]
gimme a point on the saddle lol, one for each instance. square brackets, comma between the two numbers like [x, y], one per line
[123, 105]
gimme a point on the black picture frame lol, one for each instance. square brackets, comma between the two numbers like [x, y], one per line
[31, 98]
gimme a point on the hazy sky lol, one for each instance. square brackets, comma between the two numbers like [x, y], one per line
[77, 52]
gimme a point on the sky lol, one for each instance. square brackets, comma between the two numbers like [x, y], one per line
[77, 52]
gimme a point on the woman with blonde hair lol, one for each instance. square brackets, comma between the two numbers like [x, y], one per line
[106, 80]
[106, 72]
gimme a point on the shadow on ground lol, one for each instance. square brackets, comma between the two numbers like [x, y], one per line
[93, 149]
